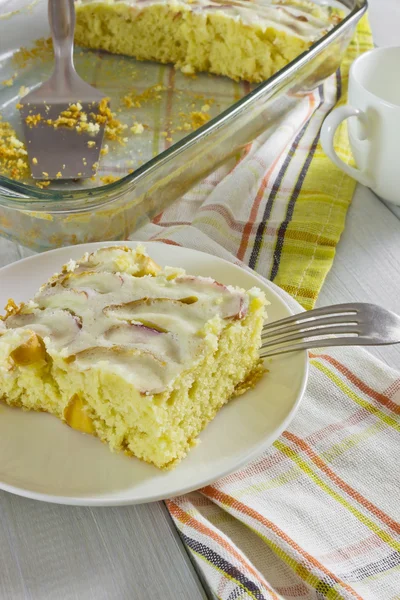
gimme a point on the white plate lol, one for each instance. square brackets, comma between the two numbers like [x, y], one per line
[41, 458]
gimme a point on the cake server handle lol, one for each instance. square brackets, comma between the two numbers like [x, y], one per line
[62, 26]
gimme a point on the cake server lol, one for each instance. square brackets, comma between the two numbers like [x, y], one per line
[64, 118]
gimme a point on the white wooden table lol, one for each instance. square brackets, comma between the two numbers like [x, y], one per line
[49, 551]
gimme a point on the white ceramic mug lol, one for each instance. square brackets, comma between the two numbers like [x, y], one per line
[374, 130]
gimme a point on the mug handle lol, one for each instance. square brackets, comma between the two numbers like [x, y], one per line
[328, 130]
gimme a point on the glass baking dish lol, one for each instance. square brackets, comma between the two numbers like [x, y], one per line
[164, 154]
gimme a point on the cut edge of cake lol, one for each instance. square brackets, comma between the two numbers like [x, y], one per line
[242, 40]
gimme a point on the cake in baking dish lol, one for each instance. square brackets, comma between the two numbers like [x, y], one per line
[140, 356]
[242, 39]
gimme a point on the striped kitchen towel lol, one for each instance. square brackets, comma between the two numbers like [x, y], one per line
[317, 515]
[281, 207]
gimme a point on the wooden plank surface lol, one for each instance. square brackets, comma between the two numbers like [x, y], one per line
[49, 551]
[367, 262]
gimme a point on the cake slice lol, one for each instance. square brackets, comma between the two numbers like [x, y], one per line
[140, 356]
[242, 39]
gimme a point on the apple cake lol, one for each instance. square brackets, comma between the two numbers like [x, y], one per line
[242, 39]
[140, 356]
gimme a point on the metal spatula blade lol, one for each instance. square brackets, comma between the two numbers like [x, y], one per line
[63, 119]
[61, 152]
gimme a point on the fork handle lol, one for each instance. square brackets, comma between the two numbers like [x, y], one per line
[62, 26]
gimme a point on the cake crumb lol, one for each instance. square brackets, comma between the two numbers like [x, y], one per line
[75, 118]
[93, 128]
[33, 120]
[109, 179]
[188, 70]
[137, 128]
[113, 126]
[23, 91]
[198, 118]
[42, 184]
[41, 49]
[59, 175]
[132, 99]
[104, 150]
[34, 160]
[9, 82]
[16, 143]
[13, 154]
[70, 266]
[91, 144]
[205, 108]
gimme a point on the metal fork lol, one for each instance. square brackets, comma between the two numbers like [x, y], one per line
[355, 324]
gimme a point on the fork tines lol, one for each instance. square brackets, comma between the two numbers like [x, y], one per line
[343, 324]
